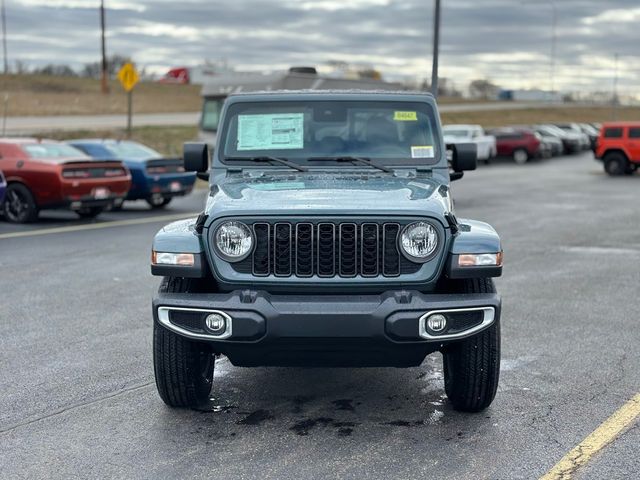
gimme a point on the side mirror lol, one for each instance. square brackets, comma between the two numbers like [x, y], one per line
[465, 156]
[196, 157]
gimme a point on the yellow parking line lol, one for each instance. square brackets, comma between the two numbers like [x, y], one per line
[596, 441]
[96, 226]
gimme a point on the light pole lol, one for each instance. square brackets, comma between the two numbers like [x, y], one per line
[436, 48]
[552, 60]
[103, 78]
[614, 94]
[4, 39]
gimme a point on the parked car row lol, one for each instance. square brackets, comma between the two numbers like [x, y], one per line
[525, 142]
[85, 176]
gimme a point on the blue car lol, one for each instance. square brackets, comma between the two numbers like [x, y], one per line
[154, 178]
[3, 187]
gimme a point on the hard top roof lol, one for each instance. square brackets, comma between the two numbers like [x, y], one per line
[331, 95]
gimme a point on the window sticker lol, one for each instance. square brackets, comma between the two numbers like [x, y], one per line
[405, 116]
[275, 131]
[422, 151]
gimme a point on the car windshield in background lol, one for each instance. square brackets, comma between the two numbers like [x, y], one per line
[52, 150]
[455, 133]
[132, 151]
[395, 133]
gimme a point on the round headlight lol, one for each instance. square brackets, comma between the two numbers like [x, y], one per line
[419, 241]
[233, 241]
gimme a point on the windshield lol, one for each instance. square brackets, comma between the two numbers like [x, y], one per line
[52, 150]
[132, 151]
[455, 133]
[396, 132]
[211, 114]
[553, 130]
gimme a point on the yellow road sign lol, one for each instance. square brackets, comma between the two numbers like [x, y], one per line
[128, 76]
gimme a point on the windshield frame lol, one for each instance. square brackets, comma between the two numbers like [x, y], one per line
[237, 104]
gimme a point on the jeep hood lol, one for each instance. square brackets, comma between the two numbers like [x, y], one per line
[329, 194]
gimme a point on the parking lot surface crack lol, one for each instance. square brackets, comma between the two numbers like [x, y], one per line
[9, 428]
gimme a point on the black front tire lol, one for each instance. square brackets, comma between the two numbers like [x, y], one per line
[183, 368]
[19, 204]
[472, 366]
[615, 164]
[89, 212]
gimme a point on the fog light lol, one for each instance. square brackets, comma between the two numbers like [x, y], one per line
[216, 323]
[437, 323]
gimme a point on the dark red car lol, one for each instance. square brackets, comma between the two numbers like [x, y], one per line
[520, 144]
[44, 174]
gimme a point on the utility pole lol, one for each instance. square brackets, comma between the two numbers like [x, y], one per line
[4, 39]
[614, 94]
[436, 48]
[103, 79]
[552, 60]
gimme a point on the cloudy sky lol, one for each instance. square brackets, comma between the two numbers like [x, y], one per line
[507, 41]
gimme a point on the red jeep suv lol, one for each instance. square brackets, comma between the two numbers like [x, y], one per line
[47, 174]
[618, 147]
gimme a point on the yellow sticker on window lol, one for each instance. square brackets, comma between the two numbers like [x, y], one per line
[405, 116]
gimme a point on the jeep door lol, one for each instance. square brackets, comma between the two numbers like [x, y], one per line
[633, 142]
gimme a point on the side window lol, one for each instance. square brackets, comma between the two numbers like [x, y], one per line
[634, 132]
[613, 132]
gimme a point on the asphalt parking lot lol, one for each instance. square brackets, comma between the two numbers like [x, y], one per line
[78, 398]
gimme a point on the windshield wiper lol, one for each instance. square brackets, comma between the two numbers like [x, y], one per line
[363, 160]
[282, 161]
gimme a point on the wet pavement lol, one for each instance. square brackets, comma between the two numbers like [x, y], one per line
[76, 374]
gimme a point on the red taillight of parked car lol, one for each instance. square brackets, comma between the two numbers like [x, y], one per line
[156, 170]
[98, 172]
[76, 173]
[115, 172]
[160, 169]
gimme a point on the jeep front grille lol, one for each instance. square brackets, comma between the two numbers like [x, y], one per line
[326, 249]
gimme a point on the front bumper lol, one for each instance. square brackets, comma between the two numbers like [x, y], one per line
[321, 330]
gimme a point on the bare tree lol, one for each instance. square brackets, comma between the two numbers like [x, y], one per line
[483, 88]
[56, 70]
[114, 63]
[20, 67]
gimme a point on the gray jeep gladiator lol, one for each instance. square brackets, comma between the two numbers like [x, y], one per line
[328, 239]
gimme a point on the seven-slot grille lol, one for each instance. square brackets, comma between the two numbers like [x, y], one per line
[326, 249]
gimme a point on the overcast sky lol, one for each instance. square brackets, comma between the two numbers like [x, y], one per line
[507, 41]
